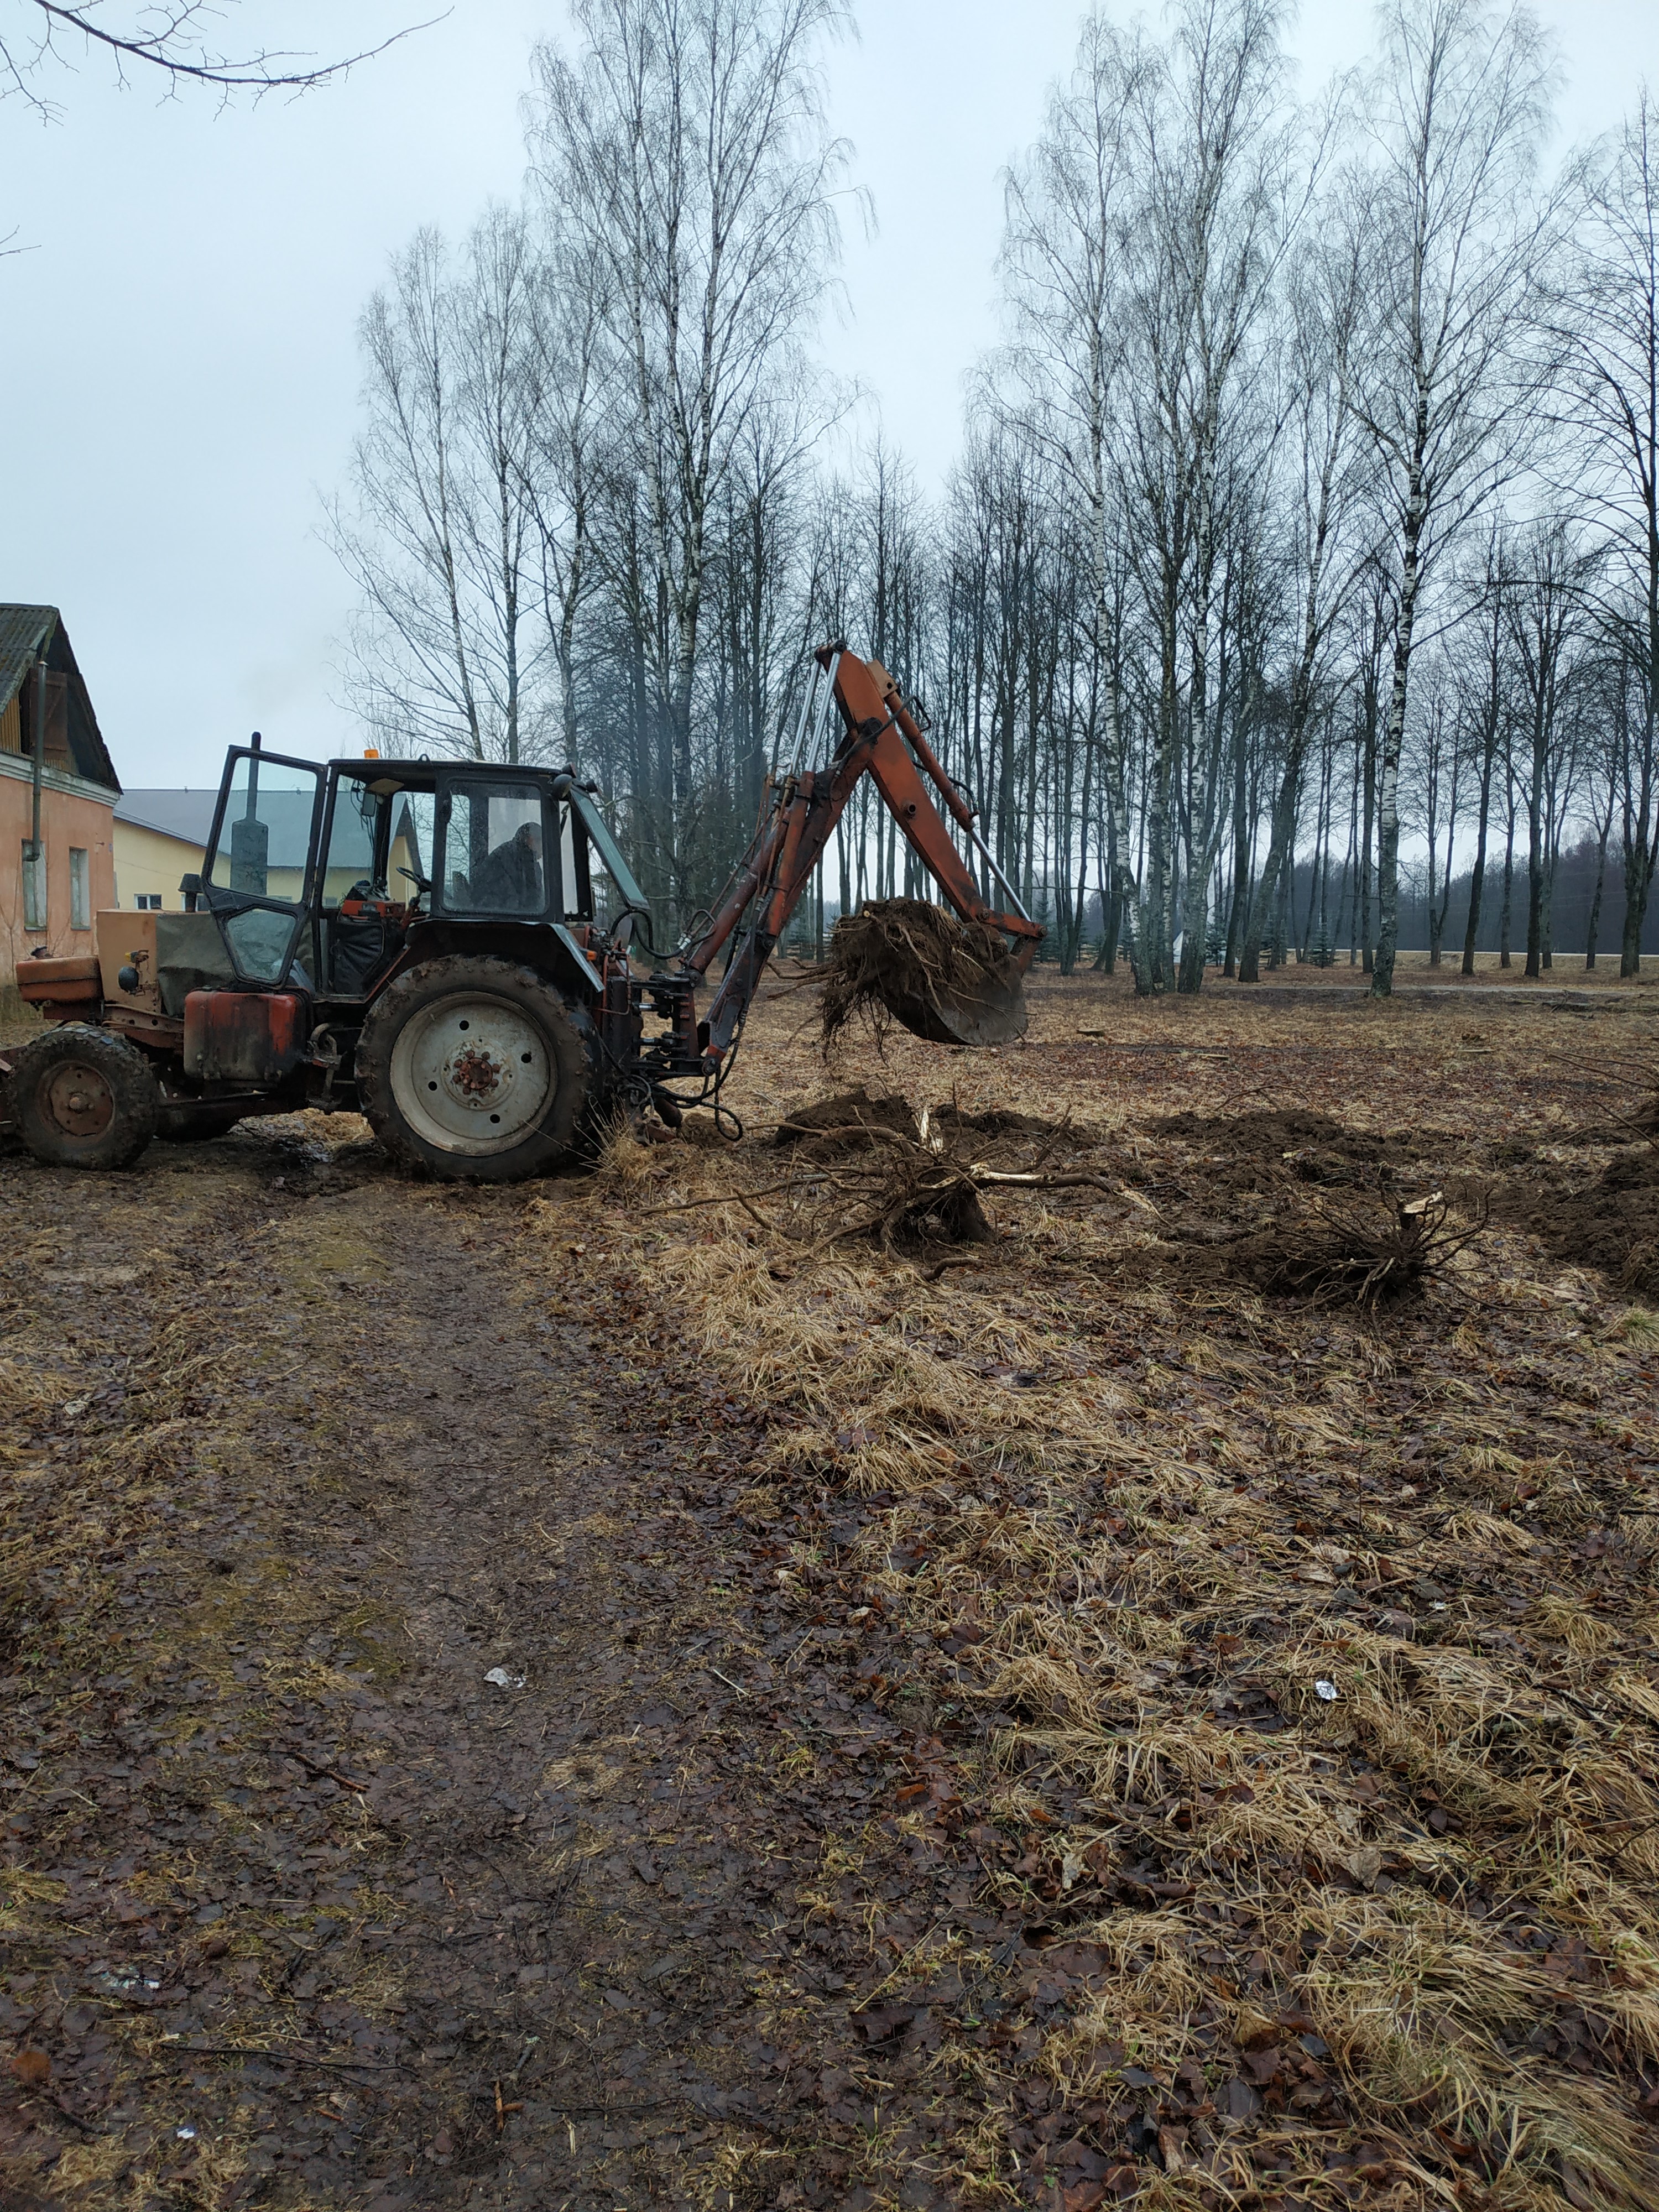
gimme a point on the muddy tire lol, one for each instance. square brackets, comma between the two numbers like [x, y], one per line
[81, 1097]
[474, 1068]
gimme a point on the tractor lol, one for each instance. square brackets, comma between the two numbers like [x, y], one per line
[460, 952]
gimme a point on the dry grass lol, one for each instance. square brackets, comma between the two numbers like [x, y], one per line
[1132, 1512]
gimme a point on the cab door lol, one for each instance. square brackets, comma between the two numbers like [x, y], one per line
[260, 865]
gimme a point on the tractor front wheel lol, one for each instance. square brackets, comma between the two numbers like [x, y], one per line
[83, 1098]
[473, 1068]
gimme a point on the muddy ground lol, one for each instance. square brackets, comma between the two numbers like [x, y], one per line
[318, 1468]
[714, 1898]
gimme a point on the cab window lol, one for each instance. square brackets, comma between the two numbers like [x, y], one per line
[256, 875]
[265, 829]
[352, 841]
[495, 857]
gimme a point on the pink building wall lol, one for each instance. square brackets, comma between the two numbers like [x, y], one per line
[73, 813]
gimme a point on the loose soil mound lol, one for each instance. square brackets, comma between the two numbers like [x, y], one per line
[846, 1114]
[951, 982]
[1285, 1134]
[1270, 1133]
[842, 1123]
[1611, 1223]
[1246, 1154]
[1005, 1123]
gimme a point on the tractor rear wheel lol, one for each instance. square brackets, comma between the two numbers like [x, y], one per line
[473, 1068]
[83, 1098]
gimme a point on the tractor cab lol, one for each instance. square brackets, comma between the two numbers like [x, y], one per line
[317, 875]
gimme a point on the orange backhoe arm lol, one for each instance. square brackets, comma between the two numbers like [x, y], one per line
[881, 737]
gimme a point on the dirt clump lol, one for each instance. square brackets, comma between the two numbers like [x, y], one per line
[1291, 1136]
[844, 1122]
[1007, 1121]
[1611, 1222]
[1225, 1179]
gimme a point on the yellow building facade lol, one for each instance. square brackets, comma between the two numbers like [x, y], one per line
[149, 865]
[161, 837]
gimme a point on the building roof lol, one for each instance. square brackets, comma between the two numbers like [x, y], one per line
[25, 632]
[21, 629]
[188, 816]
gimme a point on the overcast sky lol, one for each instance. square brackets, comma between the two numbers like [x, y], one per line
[180, 375]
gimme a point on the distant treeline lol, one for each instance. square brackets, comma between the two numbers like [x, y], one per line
[1573, 903]
[1332, 923]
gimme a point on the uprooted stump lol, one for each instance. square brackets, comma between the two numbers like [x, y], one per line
[951, 982]
[921, 1185]
[923, 1197]
[1367, 1255]
[870, 1168]
[885, 1175]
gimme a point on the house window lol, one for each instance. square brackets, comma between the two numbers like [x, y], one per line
[80, 888]
[149, 901]
[35, 886]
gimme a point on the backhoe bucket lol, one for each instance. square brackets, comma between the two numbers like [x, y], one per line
[992, 1013]
[951, 982]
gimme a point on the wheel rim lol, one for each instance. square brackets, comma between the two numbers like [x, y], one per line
[78, 1100]
[472, 1074]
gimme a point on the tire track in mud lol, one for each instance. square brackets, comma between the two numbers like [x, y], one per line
[581, 1946]
[303, 1910]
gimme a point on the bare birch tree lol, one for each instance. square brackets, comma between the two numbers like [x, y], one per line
[451, 653]
[1069, 209]
[1451, 240]
[1545, 607]
[1217, 157]
[683, 146]
[1323, 506]
[1608, 317]
[563, 460]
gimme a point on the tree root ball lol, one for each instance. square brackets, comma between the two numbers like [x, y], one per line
[951, 982]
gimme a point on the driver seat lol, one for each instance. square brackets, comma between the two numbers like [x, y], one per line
[358, 945]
